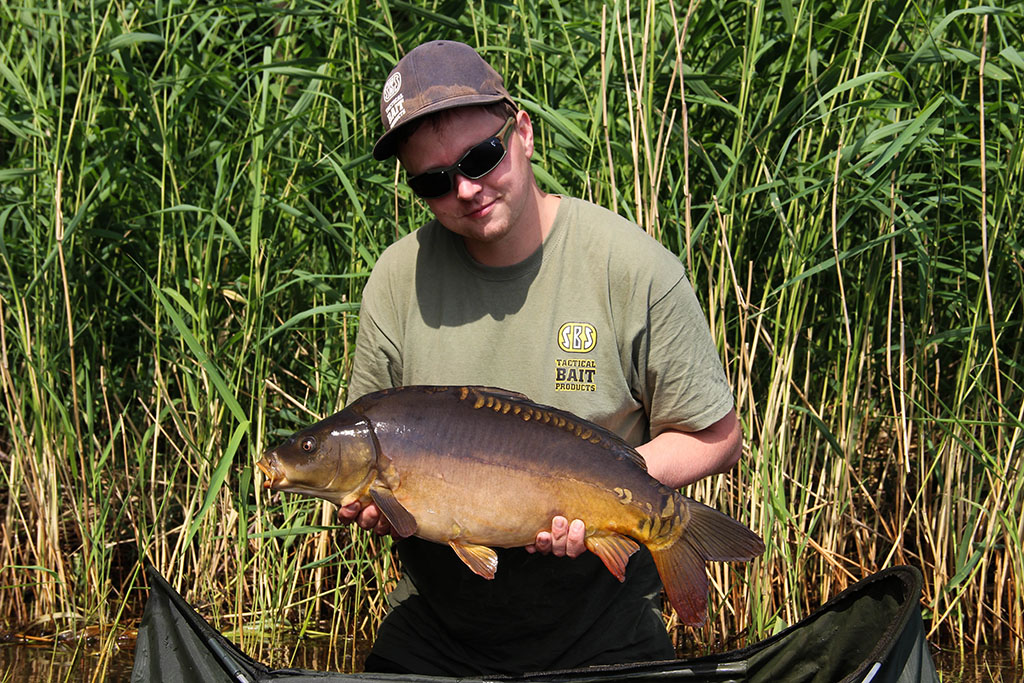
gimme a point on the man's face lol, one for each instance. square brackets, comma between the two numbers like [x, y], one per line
[486, 212]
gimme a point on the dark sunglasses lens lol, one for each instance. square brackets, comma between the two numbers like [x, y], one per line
[429, 185]
[482, 159]
[476, 163]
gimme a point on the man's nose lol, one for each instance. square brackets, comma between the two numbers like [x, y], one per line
[465, 187]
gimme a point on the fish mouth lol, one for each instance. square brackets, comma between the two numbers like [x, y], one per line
[266, 465]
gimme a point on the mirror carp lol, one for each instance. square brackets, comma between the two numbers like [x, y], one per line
[479, 467]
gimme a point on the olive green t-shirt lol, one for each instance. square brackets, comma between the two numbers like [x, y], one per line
[600, 321]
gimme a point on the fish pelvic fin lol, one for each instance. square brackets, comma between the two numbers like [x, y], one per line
[708, 535]
[613, 549]
[401, 520]
[483, 561]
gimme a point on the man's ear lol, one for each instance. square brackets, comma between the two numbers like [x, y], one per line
[524, 129]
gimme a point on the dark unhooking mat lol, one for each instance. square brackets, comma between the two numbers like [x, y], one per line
[871, 632]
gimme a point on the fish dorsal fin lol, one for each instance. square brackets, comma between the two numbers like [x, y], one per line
[401, 520]
[479, 558]
[614, 550]
[495, 392]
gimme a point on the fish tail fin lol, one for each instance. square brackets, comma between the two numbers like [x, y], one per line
[708, 535]
[686, 582]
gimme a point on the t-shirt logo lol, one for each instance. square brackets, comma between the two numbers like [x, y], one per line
[577, 337]
[575, 373]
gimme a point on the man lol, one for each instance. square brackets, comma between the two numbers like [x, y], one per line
[552, 297]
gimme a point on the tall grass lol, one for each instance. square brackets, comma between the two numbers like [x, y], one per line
[188, 212]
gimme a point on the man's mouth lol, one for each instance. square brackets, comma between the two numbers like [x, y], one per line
[479, 211]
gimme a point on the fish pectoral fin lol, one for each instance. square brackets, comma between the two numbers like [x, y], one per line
[482, 560]
[401, 520]
[613, 549]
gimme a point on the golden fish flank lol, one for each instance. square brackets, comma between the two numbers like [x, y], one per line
[438, 465]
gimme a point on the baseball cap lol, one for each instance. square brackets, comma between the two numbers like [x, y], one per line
[439, 75]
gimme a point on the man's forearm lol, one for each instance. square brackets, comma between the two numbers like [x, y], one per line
[678, 458]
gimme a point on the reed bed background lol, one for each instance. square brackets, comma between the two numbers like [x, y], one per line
[189, 210]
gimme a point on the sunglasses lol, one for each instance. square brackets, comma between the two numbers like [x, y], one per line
[478, 161]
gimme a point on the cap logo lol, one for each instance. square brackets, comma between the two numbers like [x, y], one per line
[392, 87]
[395, 111]
[394, 98]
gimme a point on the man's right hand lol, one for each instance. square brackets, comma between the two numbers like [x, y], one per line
[564, 540]
[366, 516]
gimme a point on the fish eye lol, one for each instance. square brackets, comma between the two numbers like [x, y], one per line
[308, 444]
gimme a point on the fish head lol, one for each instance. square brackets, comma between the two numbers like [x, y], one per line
[335, 459]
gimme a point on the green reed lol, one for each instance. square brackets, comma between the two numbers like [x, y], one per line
[188, 212]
